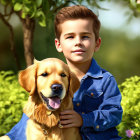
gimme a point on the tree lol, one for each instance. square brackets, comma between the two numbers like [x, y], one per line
[30, 11]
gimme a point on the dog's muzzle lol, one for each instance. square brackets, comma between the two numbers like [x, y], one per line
[53, 102]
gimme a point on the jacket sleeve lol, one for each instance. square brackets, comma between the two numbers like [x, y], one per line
[18, 132]
[109, 113]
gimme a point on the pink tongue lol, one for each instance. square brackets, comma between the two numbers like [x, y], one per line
[54, 102]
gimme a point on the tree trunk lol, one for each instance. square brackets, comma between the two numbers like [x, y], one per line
[28, 31]
[12, 44]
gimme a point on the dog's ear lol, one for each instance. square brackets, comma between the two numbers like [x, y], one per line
[27, 78]
[74, 83]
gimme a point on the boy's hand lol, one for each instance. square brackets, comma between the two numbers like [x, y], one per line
[70, 118]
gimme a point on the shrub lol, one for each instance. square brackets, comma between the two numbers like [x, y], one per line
[130, 125]
[12, 100]
[13, 97]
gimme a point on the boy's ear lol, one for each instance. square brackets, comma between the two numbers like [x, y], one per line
[58, 45]
[98, 44]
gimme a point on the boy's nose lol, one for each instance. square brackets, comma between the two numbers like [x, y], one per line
[78, 41]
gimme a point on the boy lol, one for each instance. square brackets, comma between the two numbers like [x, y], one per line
[97, 102]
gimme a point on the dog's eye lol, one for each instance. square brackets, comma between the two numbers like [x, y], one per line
[63, 75]
[44, 74]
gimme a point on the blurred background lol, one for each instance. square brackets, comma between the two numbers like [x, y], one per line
[120, 33]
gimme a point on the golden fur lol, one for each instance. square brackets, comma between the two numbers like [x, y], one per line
[38, 79]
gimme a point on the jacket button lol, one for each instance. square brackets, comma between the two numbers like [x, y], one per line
[97, 127]
[78, 104]
[92, 94]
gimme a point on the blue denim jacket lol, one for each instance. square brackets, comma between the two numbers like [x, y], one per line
[97, 101]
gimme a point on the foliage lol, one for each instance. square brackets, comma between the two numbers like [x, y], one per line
[130, 90]
[135, 6]
[42, 10]
[12, 100]
[30, 8]
[28, 12]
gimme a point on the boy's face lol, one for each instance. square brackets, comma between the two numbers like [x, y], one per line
[77, 40]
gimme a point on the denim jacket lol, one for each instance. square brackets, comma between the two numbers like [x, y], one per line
[97, 101]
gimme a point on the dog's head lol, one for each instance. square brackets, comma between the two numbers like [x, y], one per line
[52, 79]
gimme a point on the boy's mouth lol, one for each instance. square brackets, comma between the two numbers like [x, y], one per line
[79, 51]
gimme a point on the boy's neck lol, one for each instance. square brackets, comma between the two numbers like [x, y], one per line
[80, 69]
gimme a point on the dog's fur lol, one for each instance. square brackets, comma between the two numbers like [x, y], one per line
[51, 85]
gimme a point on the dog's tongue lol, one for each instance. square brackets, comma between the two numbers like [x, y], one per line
[54, 102]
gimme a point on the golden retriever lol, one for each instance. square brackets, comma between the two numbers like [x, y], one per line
[51, 86]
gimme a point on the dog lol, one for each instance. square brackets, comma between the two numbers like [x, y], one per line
[51, 86]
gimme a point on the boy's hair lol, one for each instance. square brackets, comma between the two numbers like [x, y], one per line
[76, 12]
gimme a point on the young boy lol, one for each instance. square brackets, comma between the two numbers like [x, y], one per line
[97, 102]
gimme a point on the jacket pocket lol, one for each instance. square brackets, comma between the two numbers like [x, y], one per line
[92, 100]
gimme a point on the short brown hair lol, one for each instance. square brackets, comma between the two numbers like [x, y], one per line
[76, 12]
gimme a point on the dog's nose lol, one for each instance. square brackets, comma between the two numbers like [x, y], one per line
[57, 88]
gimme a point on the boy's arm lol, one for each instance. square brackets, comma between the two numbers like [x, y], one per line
[109, 113]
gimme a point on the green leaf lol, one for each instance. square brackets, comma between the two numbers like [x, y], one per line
[42, 23]
[18, 6]
[41, 17]
[23, 15]
[33, 11]
[39, 13]
[138, 8]
[38, 3]
[133, 3]
[27, 9]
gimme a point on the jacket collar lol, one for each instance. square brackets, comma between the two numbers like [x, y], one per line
[95, 70]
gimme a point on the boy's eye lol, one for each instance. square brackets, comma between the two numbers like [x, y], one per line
[85, 37]
[69, 37]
